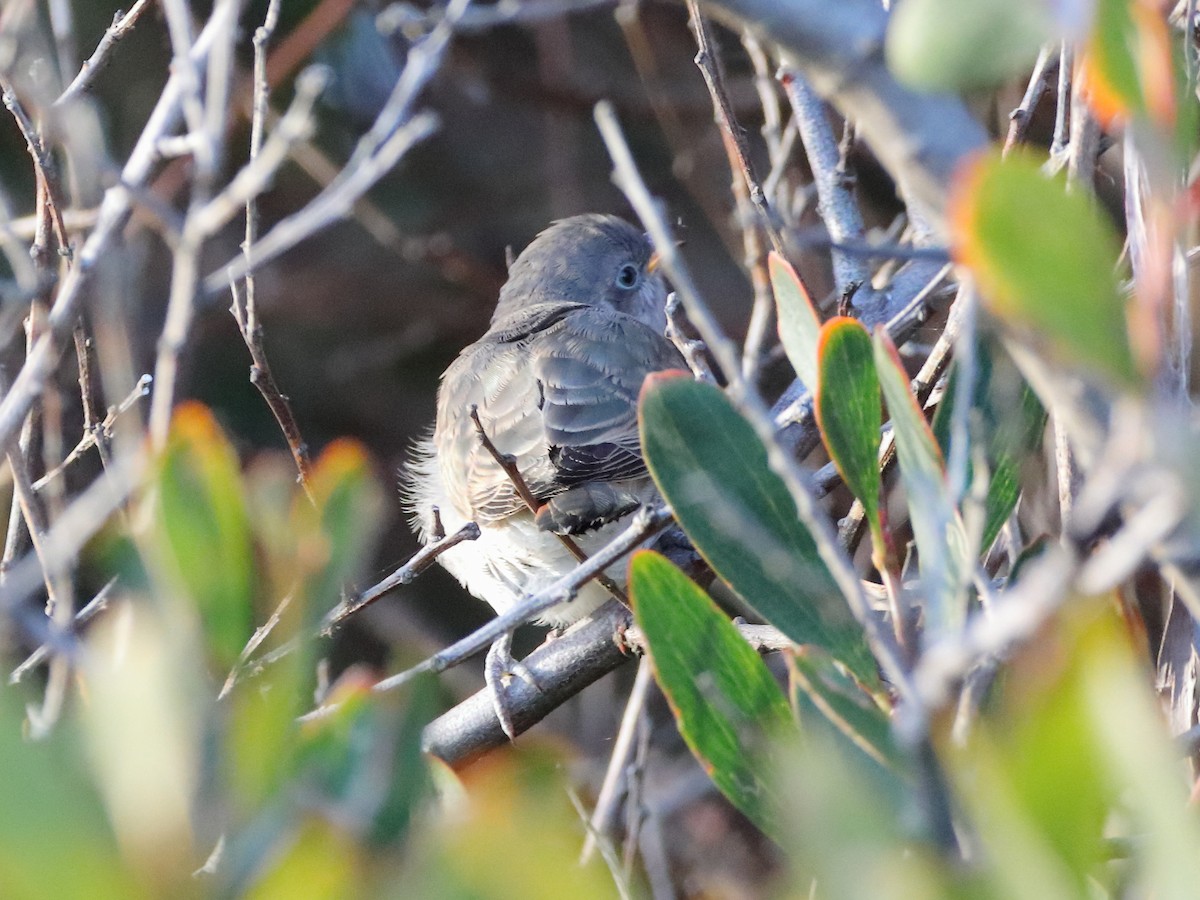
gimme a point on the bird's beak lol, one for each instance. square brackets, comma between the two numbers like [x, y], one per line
[653, 262]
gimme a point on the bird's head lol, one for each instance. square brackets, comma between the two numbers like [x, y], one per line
[599, 260]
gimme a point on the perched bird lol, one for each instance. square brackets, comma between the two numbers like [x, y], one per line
[554, 381]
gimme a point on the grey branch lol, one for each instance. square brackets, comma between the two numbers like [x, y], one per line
[919, 138]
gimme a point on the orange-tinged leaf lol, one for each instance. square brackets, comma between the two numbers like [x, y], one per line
[849, 414]
[202, 536]
[1126, 66]
[1044, 259]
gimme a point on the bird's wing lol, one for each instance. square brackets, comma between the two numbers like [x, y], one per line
[556, 388]
[590, 368]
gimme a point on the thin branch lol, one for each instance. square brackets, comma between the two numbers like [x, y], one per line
[102, 432]
[710, 67]
[560, 668]
[1019, 118]
[417, 563]
[205, 125]
[121, 25]
[261, 633]
[835, 198]
[77, 525]
[395, 131]
[622, 751]
[114, 211]
[96, 605]
[1061, 118]
[644, 524]
[406, 574]
[692, 351]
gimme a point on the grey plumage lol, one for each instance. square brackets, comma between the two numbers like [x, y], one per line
[555, 379]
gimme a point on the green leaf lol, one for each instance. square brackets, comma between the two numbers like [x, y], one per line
[1007, 415]
[849, 413]
[203, 534]
[937, 528]
[1033, 774]
[513, 835]
[337, 537]
[799, 325]
[852, 711]
[364, 759]
[726, 703]
[55, 839]
[1045, 260]
[712, 469]
[1140, 758]
[948, 45]
[1128, 62]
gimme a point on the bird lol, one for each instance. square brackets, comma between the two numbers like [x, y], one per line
[554, 383]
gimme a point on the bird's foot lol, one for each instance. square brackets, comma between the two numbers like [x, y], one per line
[584, 507]
[499, 669]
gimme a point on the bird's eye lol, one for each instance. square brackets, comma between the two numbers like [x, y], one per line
[627, 276]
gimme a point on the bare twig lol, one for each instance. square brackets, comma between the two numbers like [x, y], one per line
[261, 633]
[710, 67]
[835, 198]
[96, 605]
[561, 668]
[395, 131]
[101, 432]
[205, 212]
[920, 138]
[418, 563]
[246, 312]
[408, 18]
[79, 522]
[692, 351]
[45, 171]
[623, 747]
[114, 210]
[1019, 119]
[1061, 111]
[121, 25]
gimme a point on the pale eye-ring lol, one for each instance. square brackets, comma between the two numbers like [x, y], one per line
[627, 276]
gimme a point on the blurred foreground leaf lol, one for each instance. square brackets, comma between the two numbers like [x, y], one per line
[143, 720]
[1127, 63]
[726, 703]
[337, 537]
[202, 532]
[1045, 260]
[1076, 755]
[510, 834]
[55, 840]
[712, 468]
[948, 45]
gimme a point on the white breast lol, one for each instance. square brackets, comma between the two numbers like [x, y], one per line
[510, 558]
